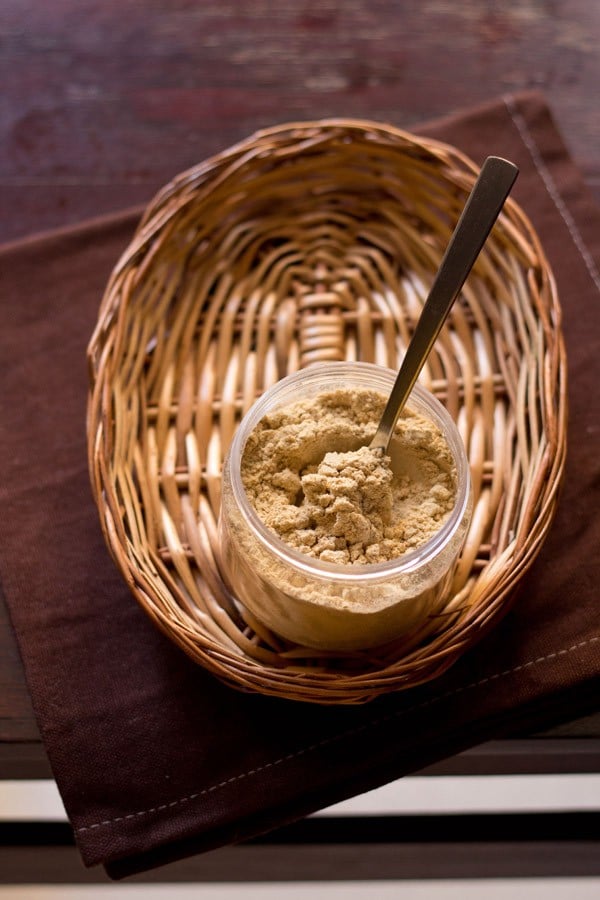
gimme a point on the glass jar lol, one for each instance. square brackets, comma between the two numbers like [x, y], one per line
[328, 605]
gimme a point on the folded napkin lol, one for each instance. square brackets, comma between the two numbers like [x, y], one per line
[156, 759]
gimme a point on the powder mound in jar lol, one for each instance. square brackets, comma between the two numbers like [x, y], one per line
[313, 480]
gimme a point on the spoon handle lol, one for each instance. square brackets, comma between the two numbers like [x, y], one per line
[481, 210]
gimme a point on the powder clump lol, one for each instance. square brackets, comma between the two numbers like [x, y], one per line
[312, 478]
[349, 497]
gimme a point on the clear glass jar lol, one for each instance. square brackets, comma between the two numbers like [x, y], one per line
[328, 605]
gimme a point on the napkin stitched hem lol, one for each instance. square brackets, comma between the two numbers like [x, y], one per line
[534, 151]
[347, 733]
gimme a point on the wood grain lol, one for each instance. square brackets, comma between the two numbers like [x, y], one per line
[103, 101]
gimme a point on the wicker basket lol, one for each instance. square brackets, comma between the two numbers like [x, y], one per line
[306, 243]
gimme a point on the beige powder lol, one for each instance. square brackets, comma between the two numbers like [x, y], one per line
[312, 479]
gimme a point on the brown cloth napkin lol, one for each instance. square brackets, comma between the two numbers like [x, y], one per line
[155, 759]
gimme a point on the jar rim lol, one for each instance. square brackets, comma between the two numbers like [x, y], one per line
[370, 376]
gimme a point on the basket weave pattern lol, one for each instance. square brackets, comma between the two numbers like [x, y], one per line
[309, 243]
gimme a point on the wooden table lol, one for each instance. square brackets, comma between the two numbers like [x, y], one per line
[103, 102]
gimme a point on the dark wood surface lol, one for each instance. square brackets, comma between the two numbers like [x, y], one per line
[103, 102]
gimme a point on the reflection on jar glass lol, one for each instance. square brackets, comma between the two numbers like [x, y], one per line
[320, 589]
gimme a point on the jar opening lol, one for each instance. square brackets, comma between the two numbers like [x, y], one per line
[315, 380]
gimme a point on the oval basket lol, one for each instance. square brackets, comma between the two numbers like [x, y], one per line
[306, 243]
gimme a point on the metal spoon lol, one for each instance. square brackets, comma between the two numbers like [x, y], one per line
[481, 210]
